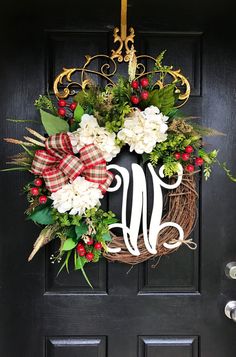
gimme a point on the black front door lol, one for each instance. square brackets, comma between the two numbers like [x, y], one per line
[177, 308]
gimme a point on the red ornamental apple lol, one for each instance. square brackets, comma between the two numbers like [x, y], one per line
[34, 191]
[177, 155]
[43, 199]
[89, 256]
[199, 161]
[61, 103]
[73, 106]
[144, 82]
[189, 168]
[185, 156]
[80, 250]
[134, 99]
[134, 84]
[90, 241]
[189, 149]
[144, 95]
[98, 246]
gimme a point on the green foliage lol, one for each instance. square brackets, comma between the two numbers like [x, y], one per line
[159, 59]
[227, 171]
[164, 98]
[70, 232]
[45, 103]
[80, 262]
[81, 229]
[42, 215]
[170, 166]
[106, 237]
[66, 219]
[69, 244]
[53, 124]
[210, 158]
[65, 263]
[79, 111]
[168, 147]
[109, 106]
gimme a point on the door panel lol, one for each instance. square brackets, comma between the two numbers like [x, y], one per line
[174, 309]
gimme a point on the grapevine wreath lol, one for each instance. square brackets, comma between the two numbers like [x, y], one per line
[70, 170]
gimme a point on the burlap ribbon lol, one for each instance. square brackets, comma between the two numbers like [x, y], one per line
[58, 165]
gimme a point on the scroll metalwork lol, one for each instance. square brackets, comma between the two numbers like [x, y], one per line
[71, 80]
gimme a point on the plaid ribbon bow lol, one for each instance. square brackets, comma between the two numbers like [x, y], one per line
[58, 165]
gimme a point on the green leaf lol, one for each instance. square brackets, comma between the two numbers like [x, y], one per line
[65, 263]
[164, 98]
[79, 265]
[69, 244]
[79, 111]
[53, 124]
[80, 262]
[70, 232]
[81, 229]
[42, 216]
[106, 237]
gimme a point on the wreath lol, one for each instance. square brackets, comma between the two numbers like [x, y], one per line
[72, 169]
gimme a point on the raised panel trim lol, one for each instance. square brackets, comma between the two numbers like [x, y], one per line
[66, 342]
[147, 343]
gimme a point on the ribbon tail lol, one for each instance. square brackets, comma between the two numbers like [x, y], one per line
[104, 187]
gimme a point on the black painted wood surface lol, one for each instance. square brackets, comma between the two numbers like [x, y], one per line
[177, 309]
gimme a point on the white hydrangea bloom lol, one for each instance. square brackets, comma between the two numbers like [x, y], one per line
[142, 130]
[91, 133]
[77, 196]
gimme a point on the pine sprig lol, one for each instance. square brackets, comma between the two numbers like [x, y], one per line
[45, 103]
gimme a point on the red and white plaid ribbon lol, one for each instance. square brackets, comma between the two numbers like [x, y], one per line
[58, 164]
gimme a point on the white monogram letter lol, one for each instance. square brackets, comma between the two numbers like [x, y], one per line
[139, 209]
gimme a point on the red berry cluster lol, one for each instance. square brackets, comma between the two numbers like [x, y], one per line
[139, 91]
[187, 158]
[37, 190]
[62, 104]
[82, 252]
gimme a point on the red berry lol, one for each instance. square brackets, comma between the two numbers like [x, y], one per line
[199, 161]
[89, 256]
[34, 191]
[61, 112]
[177, 155]
[73, 106]
[144, 82]
[144, 95]
[189, 168]
[80, 250]
[43, 199]
[189, 149]
[134, 84]
[90, 241]
[61, 103]
[185, 156]
[134, 99]
[38, 182]
[98, 246]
